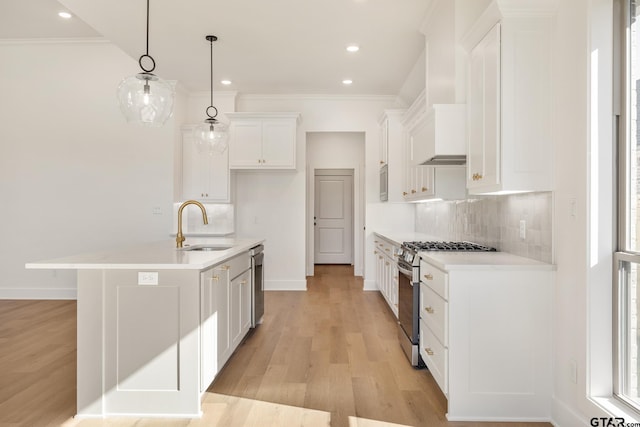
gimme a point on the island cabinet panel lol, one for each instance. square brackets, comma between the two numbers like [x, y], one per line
[148, 341]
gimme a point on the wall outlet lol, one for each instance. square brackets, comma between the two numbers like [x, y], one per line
[147, 278]
[523, 229]
[157, 210]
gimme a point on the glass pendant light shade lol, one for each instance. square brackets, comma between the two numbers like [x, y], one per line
[145, 98]
[212, 137]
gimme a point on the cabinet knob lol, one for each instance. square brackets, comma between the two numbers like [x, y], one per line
[226, 267]
[206, 194]
[404, 193]
[386, 263]
[413, 191]
[424, 189]
[429, 309]
[379, 257]
[215, 278]
[381, 162]
[428, 276]
[243, 282]
[428, 351]
[387, 249]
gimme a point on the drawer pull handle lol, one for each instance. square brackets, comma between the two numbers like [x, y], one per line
[243, 282]
[380, 257]
[428, 276]
[387, 249]
[428, 351]
[226, 267]
[386, 263]
[215, 278]
[429, 310]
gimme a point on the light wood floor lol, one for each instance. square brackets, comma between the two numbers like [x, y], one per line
[328, 356]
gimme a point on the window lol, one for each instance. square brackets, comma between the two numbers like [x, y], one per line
[627, 259]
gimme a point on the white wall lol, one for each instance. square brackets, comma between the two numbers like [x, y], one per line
[279, 198]
[74, 177]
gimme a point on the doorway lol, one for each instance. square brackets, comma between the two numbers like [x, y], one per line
[344, 150]
[333, 216]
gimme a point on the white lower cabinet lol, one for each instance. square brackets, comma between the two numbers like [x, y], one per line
[225, 299]
[387, 271]
[485, 335]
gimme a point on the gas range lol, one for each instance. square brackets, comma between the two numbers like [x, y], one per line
[409, 250]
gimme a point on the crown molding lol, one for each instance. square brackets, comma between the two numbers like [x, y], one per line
[319, 97]
[78, 40]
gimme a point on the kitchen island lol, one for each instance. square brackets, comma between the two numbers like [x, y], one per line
[156, 323]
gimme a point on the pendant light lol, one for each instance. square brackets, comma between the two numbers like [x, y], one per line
[212, 136]
[145, 98]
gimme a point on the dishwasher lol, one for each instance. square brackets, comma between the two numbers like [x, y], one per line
[257, 288]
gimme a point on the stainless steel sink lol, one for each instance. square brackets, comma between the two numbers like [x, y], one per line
[205, 247]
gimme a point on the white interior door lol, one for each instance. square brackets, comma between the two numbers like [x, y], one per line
[333, 217]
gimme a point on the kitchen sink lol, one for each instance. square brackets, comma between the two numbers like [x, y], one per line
[205, 247]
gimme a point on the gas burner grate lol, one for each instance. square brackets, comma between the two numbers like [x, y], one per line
[447, 246]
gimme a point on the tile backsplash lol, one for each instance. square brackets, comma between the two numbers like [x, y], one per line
[493, 221]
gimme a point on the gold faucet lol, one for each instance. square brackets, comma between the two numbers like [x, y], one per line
[180, 236]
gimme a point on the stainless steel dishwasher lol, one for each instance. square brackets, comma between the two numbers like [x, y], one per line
[257, 288]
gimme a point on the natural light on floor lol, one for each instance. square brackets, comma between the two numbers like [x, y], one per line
[223, 410]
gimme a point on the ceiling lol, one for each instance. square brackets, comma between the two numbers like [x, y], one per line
[264, 46]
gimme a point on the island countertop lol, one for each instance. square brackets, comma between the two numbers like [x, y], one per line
[161, 255]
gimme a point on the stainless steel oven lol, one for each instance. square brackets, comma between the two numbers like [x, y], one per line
[409, 291]
[408, 306]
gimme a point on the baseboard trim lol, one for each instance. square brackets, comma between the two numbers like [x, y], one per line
[563, 416]
[285, 285]
[370, 285]
[38, 293]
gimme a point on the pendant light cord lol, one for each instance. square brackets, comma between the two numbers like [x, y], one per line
[211, 69]
[147, 27]
[146, 55]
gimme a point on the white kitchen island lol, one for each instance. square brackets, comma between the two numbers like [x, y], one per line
[156, 324]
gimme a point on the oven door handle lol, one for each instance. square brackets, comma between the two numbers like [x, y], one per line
[405, 271]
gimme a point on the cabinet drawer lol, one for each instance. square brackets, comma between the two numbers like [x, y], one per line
[433, 310]
[386, 248]
[435, 278]
[238, 264]
[435, 355]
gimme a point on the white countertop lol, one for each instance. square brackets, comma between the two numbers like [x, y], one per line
[482, 261]
[162, 255]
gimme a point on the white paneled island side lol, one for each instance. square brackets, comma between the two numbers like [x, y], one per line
[156, 324]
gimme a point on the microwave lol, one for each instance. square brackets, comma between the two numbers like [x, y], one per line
[384, 183]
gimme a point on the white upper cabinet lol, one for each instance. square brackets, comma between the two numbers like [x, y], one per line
[392, 153]
[205, 177]
[431, 133]
[262, 140]
[509, 99]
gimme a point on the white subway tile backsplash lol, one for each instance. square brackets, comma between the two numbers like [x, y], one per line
[493, 221]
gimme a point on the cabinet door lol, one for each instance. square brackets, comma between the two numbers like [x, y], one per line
[208, 329]
[245, 303]
[204, 176]
[221, 280]
[278, 143]
[484, 104]
[238, 309]
[245, 144]
[384, 141]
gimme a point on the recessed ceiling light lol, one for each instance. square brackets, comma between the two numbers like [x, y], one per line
[225, 82]
[65, 15]
[347, 82]
[353, 48]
